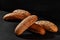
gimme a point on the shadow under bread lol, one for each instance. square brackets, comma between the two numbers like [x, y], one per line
[32, 35]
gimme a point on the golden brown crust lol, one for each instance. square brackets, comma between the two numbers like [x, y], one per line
[48, 25]
[17, 14]
[25, 24]
[21, 14]
[9, 16]
[37, 29]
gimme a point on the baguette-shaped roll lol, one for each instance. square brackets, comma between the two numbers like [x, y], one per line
[25, 24]
[16, 15]
[37, 29]
[48, 25]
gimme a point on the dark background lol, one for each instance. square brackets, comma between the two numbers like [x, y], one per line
[48, 10]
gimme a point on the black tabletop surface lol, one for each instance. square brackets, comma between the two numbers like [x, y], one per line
[7, 32]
